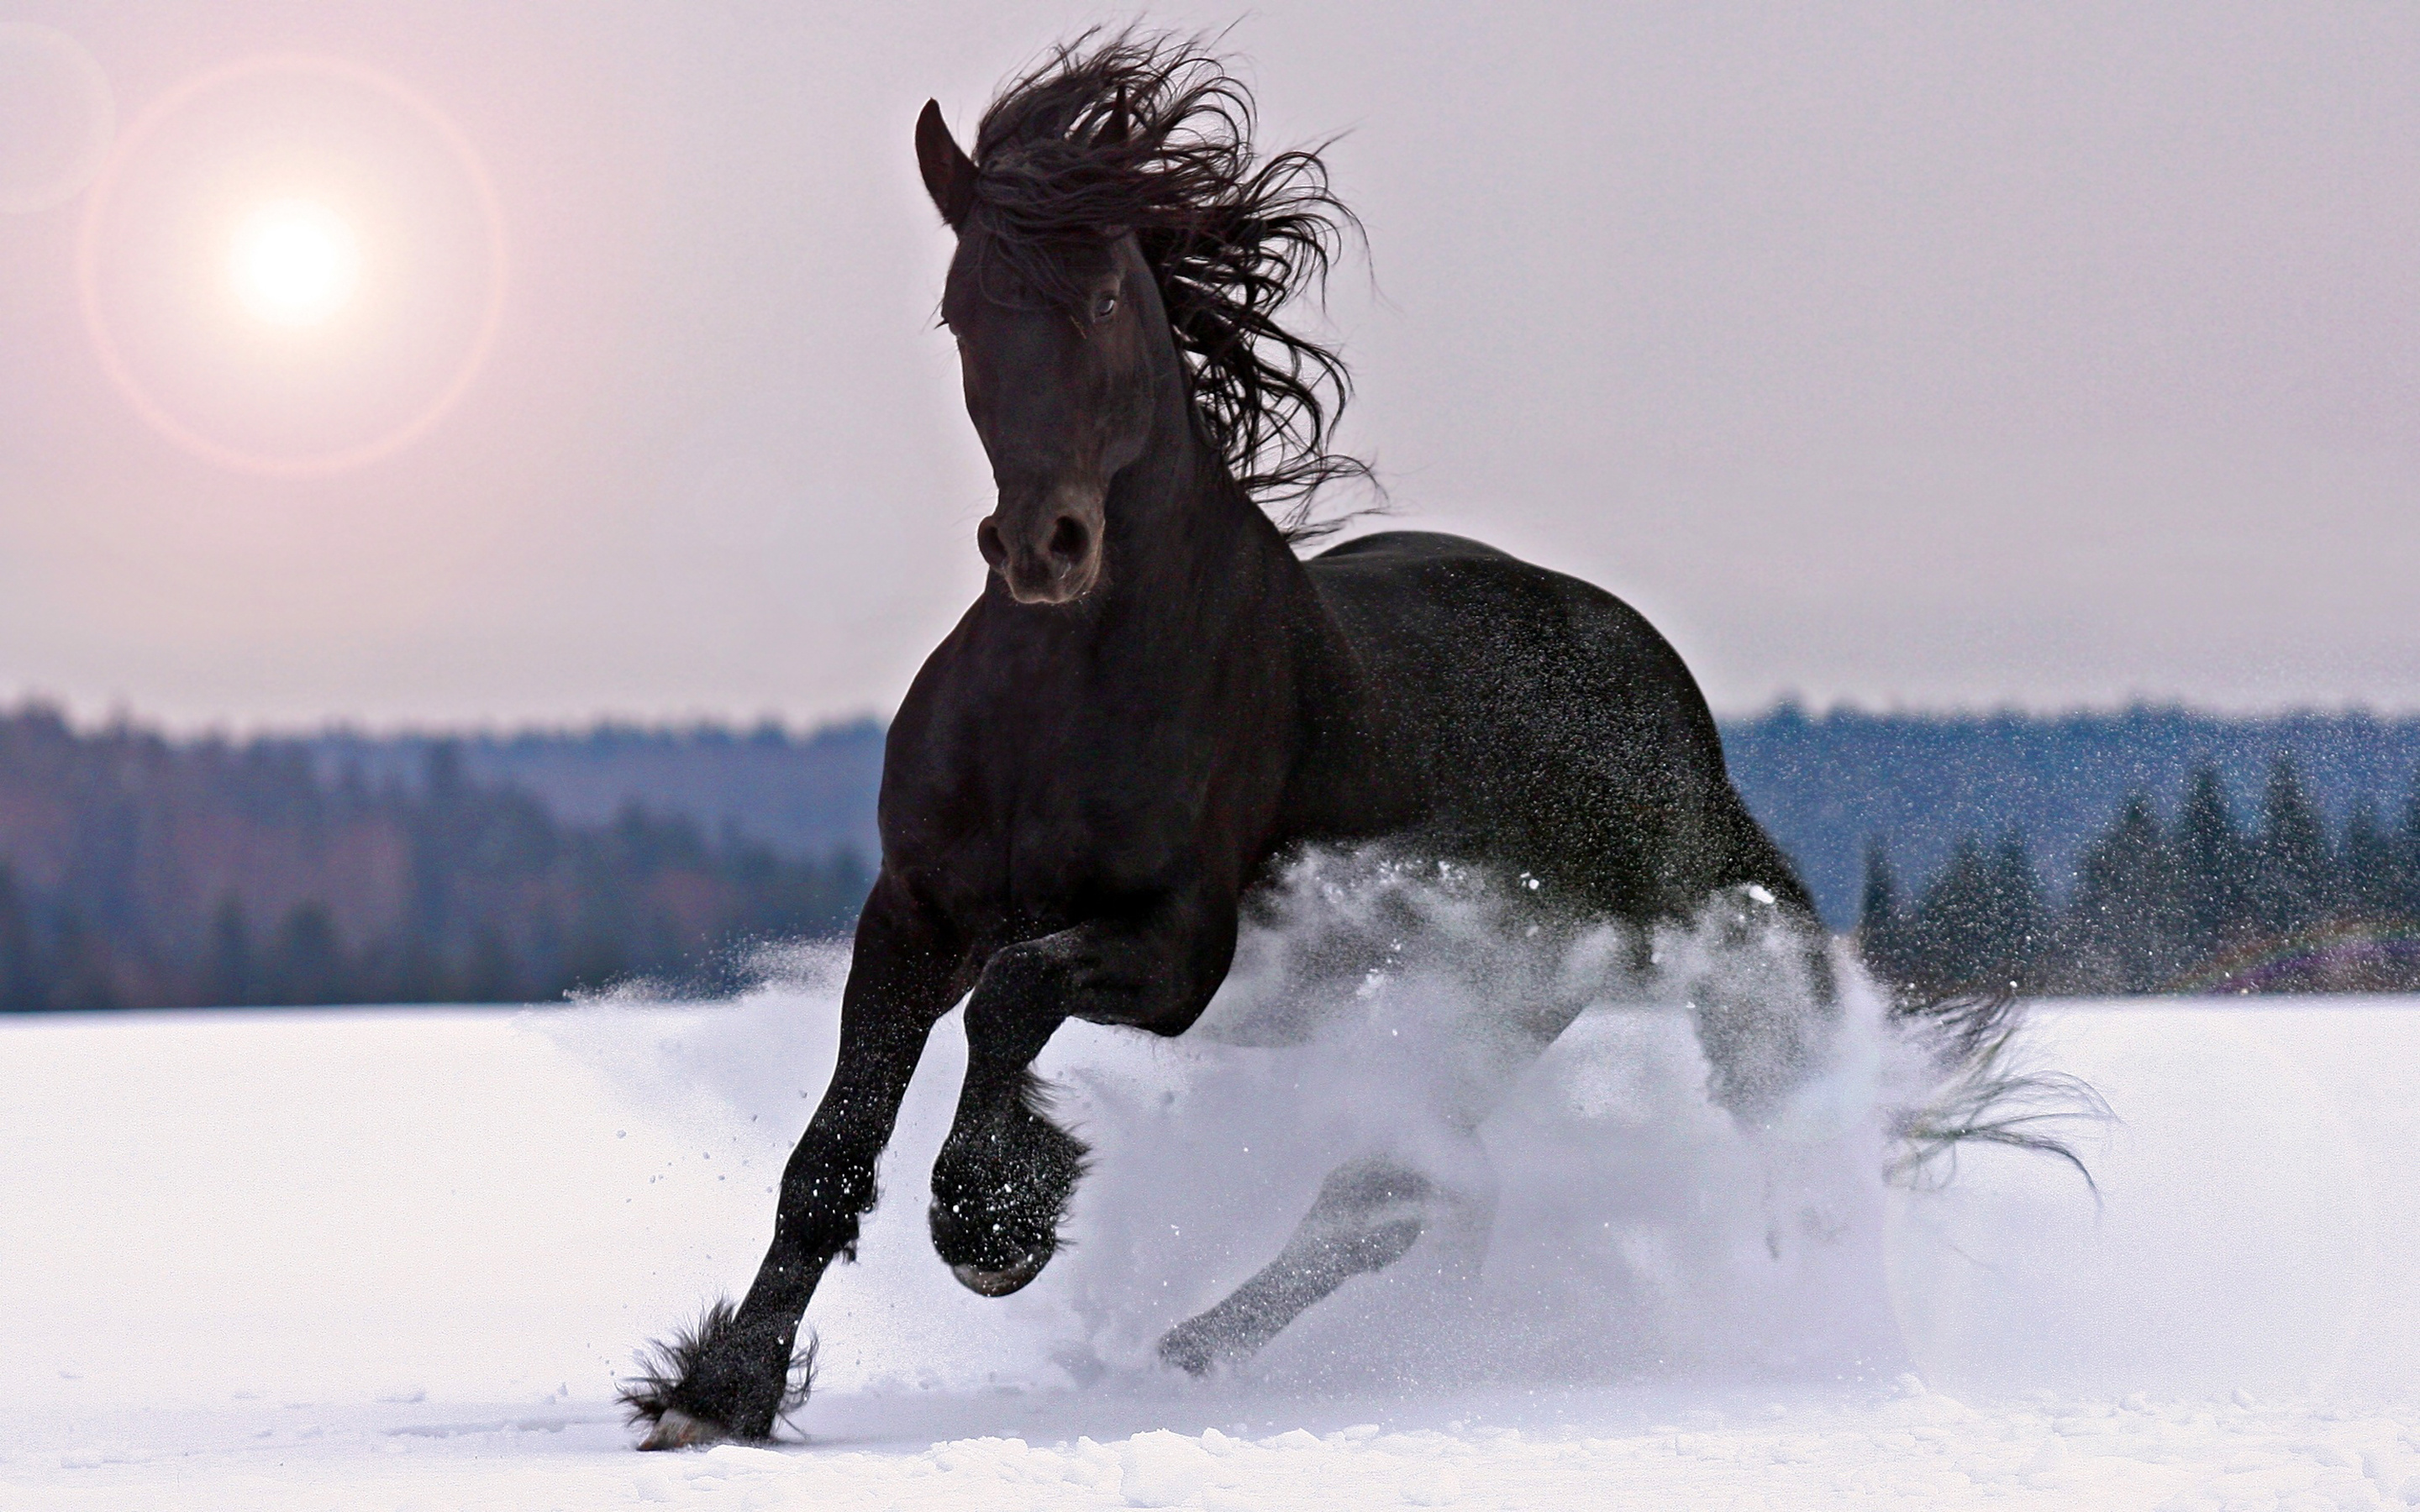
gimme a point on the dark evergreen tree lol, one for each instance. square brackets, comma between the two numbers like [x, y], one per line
[2367, 868]
[306, 961]
[487, 974]
[2020, 913]
[1950, 927]
[2213, 868]
[22, 986]
[76, 966]
[228, 976]
[2122, 931]
[2291, 884]
[2407, 858]
[1881, 927]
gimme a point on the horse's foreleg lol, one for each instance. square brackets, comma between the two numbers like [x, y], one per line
[734, 1375]
[1006, 1175]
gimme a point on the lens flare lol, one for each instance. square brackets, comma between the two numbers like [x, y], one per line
[57, 117]
[294, 263]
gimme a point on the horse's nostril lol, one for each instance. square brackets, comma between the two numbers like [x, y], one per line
[988, 542]
[1068, 541]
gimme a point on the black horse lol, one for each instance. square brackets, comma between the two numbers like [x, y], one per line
[1156, 700]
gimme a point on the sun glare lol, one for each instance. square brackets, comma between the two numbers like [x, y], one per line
[294, 263]
[290, 266]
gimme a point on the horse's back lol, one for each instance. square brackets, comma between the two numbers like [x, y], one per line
[1552, 727]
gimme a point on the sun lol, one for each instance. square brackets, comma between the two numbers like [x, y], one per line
[291, 266]
[294, 263]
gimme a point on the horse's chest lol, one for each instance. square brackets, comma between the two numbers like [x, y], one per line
[1047, 826]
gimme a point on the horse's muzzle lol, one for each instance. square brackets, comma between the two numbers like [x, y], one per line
[1047, 551]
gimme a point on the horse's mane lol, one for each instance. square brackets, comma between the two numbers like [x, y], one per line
[1150, 132]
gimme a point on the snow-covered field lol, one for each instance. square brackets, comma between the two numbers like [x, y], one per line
[396, 1260]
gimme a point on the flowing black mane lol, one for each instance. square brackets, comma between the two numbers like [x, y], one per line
[1152, 134]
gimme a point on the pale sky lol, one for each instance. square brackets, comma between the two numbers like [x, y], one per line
[1929, 356]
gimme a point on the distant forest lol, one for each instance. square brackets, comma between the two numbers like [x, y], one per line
[136, 871]
[2144, 850]
[2203, 903]
[2141, 851]
[1829, 785]
[803, 796]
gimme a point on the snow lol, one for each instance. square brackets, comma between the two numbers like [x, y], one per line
[395, 1259]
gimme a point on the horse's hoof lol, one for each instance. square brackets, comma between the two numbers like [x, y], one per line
[677, 1430]
[1188, 1349]
[985, 1283]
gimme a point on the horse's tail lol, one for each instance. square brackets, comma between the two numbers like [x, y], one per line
[1978, 1088]
[1982, 1090]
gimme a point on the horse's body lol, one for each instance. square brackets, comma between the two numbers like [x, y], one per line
[1545, 727]
[1405, 685]
[1153, 703]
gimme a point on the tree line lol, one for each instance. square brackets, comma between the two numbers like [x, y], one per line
[136, 871]
[140, 871]
[2201, 901]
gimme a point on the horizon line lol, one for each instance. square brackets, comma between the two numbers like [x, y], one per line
[121, 718]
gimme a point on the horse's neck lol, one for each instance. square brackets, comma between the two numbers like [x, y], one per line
[1192, 554]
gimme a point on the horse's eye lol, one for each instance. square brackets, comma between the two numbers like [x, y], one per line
[1104, 306]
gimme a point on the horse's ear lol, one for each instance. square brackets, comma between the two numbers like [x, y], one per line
[1118, 127]
[949, 173]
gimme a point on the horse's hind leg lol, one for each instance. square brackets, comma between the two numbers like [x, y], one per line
[1371, 1211]
[1368, 1213]
[1763, 1000]
[1766, 1005]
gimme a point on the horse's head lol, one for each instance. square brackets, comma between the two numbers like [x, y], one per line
[1122, 255]
[1062, 348]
